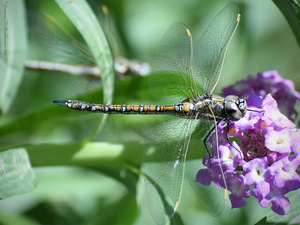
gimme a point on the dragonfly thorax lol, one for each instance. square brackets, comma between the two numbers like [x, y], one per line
[215, 107]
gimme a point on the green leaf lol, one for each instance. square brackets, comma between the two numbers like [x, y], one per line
[126, 208]
[14, 218]
[176, 219]
[92, 154]
[82, 16]
[16, 174]
[292, 217]
[13, 47]
[291, 11]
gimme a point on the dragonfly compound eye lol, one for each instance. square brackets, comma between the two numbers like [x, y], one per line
[242, 105]
[235, 107]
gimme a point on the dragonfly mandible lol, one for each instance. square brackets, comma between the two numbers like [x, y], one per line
[183, 79]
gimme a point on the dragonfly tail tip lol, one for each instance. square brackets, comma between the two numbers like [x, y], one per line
[59, 102]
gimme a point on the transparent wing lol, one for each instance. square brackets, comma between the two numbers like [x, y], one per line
[210, 50]
[171, 67]
[56, 42]
[164, 165]
[178, 73]
[211, 197]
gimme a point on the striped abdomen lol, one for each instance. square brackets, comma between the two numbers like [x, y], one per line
[182, 109]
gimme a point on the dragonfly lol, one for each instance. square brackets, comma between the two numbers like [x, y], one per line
[183, 79]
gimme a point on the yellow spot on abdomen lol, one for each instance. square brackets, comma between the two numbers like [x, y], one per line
[136, 108]
[152, 108]
[169, 108]
[186, 106]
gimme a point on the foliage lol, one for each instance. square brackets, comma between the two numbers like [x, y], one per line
[96, 182]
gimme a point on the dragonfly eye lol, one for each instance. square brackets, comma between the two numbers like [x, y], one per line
[242, 105]
[235, 107]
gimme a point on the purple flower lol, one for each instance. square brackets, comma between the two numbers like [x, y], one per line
[263, 159]
[282, 90]
[236, 184]
[278, 141]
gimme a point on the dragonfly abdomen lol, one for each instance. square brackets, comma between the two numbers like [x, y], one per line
[180, 109]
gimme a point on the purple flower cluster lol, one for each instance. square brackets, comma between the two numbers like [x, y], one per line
[262, 158]
[270, 82]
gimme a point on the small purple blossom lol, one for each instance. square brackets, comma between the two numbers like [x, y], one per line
[263, 158]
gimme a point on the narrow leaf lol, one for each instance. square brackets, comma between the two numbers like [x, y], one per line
[291, 11]
[13, 46]
[82, 16]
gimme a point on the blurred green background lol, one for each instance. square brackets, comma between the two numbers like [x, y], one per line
[100, 188]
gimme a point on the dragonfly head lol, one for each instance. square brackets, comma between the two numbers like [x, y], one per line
[235, 107]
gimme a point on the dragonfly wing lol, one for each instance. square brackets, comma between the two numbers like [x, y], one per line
[210, 50]
[55, 40]
[171, 67]
[211, 197]
[164, 165]
[208, 58]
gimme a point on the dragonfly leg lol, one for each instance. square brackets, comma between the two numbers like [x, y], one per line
[208, 136]
[205, 141]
